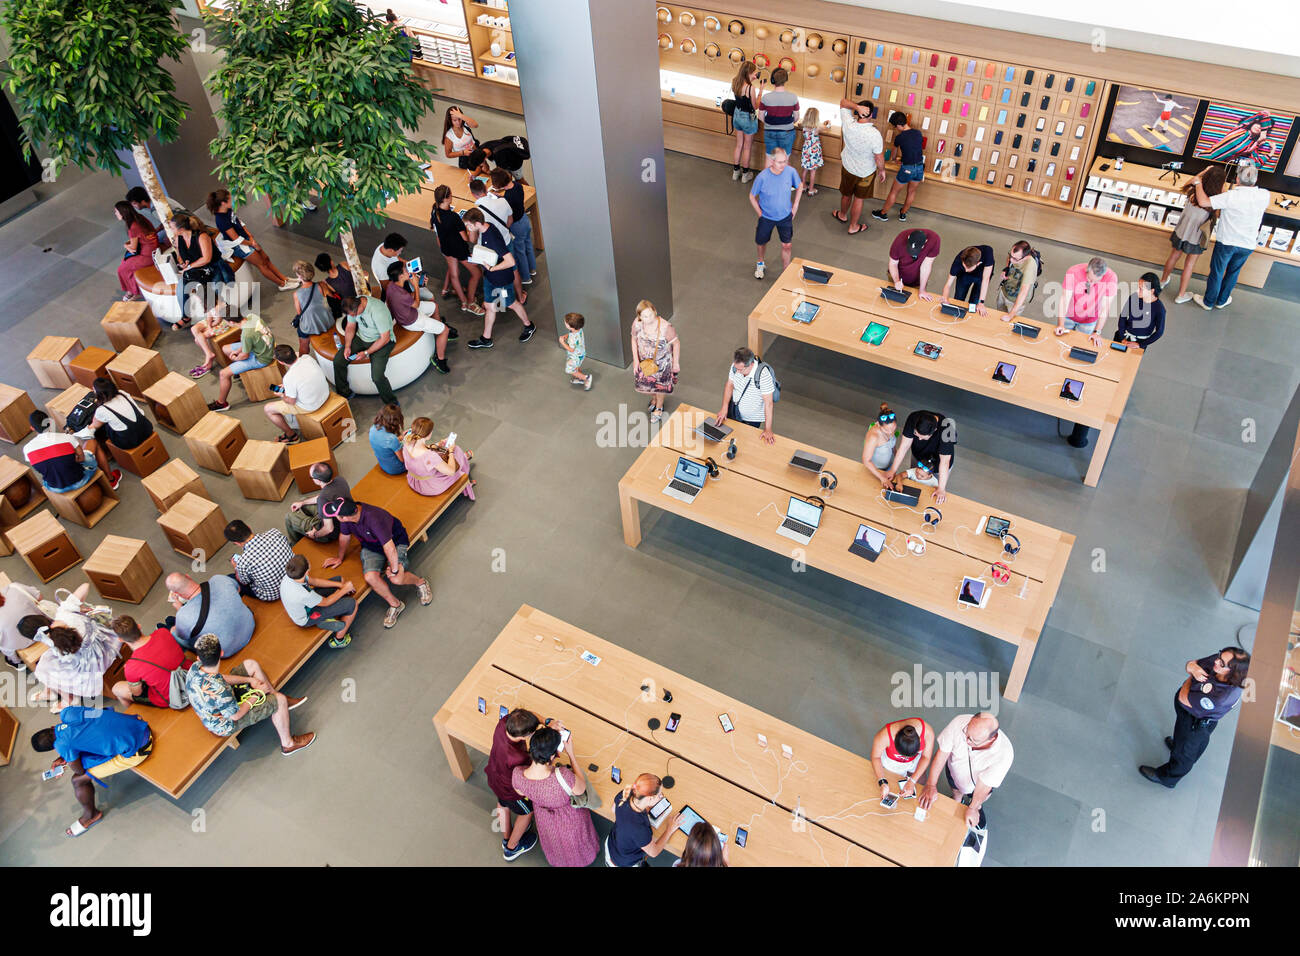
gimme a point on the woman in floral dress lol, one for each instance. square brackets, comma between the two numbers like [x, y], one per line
[656, 357]
[566, 832]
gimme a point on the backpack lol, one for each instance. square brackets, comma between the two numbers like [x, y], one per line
[729, 109]
[776, 386]
[82, 414]
[177, 697]
[1038, 258]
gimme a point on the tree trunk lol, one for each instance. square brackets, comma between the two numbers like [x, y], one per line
[144, 164]
[360, 275]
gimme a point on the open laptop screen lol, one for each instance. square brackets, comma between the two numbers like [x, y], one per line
[691, 472]
[804, 511]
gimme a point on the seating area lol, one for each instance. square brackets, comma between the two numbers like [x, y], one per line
[408, 361]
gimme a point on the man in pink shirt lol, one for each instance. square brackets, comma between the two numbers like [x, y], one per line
[1087, 294]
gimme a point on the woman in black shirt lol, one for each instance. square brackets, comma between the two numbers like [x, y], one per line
[446, 222]
[632, 840]
[338, 279]
[1142, 319]
[199, 264]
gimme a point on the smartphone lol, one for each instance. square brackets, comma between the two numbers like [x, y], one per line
[673, 721]
[54, 772]
[564, 738]
[659, 811]
[726, 723]
[504, 711]
[742, 837]
[1119, 346]
[615, 774]
[482, 706]
[451, 441]
[277, 389]
[888, 800]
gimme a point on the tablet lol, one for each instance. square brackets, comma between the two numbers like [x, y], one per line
[1072, 389]
[973, 592]
[1025, 329]
[1004, 372]
[927, 350]
[1083, 355]
[806, 312]
[956, 311]
[415, 265]
[875, 333]
[688, 819]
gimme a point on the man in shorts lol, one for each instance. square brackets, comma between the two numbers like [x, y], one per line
[229, 703]
[861, 156]
[383, 551]
[303, 388]
[771, 198]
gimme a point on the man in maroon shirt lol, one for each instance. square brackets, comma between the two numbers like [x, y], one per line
[510, 750]
[403, 300]
[148, 672]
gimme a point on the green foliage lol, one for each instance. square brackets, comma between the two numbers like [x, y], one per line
[316, 95]
[86, 77]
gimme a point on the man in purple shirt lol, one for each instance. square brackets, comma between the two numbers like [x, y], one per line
[383, 551]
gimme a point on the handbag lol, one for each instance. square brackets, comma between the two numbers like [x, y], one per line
[587, 800]
[177, 697]
[648, 366]
[165, 263]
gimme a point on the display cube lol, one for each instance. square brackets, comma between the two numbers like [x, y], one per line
[215, 442]
[60, 405]
[130, 323]
[88, 504]
[123, 569]
[262, 470]
[257, 383]
[47, 360]
[44, 545]
[136, 369]
[16, 407]
[305, 454]
[195, 527]
[219, 343]
[21, 493]
[89, 364]
[333, 420]
[176, 402]
[142, 460]
[172, 482]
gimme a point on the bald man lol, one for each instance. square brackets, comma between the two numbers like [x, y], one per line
[225, 615]
[975, 756]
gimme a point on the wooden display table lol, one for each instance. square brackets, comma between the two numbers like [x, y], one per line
[215, 442]
[130, 323]
[60, 405]
[136, 369]
[832, 817]
[194, 526]
[44, 545]
[20, 473]
[16, 407]
[262, 470]
[172, 482]
[47, 360]
[76, 505]
[123, 569]
[972, 347]
[177, 402]
[303, 455]
[761, 479]
[142, 460]
[333, 420]
[89, 364]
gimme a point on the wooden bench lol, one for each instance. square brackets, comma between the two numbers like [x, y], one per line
[183, 747]
[407, 362]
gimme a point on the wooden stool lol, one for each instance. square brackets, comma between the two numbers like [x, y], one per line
[219, 343]
[16, 407]
[48, 358]
[60, 405]
[177, 402]
[305, 454]
[26, 487]
[89, 364]
[8, 735]
[142, 460]
[130, 323]
[69, 503]
[195, 527]
[215, 442]
[44, 545]
[172, 482]
[257, 382]
[333, 420]
[123, 569]
[262, 470]
[136, 369]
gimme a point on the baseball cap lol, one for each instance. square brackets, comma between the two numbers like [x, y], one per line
[916, 242]
[338, 508]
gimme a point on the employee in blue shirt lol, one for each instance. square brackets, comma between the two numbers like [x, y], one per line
[1212, 689]
[88, 739]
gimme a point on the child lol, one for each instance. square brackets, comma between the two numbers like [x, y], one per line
[811, 160]
[1167, 106]
[576, 345]
[301, 596]
[510, 750]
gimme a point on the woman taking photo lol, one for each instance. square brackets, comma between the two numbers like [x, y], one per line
[457, 140]
[633, 839]
[199, 265]
[878, 447]
[141, 243]
[745, 119]
[310, 306]
[430, 468]
[336, 282]
[454, 245]
[656, 357]
[386, 441]
[241, 244]
[703, 848]
[1191, 236]
[566, 832]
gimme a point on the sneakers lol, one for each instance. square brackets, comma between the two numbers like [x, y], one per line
[199, 371]
[480, 343]
[309, 206]
[391, 617]
[300, 742]
[735, 173]
[340, 640]
[759, 270]
[452, 333]
[902, 217]
[1200, 300]
[526, 843]
[473, 308]
[528, 281]
[575, 381]
[440, 364]
[747, 176]
[528, 332]
[1185, 297]
[882, 216]
[426, 593]
[218, 406]
[290, 284]
[295, 701]
[587, 385]
[1225, 303]
[115, 479]
[1165, 282]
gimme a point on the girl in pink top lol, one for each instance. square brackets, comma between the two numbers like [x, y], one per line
[430, 467]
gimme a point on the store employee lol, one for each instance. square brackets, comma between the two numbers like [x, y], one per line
[1142, 317]
[1212, 689]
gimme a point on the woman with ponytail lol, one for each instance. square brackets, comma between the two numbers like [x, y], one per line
[141, 243]
[632, 840]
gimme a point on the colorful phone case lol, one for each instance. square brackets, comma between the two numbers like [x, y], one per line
[947, 105]
[916, 57]
[984, 114]
[993, 173]
[893, 96]
[965, 109]
[1056, 148]
[898, 53]
[961, 130]
[990, 70]
[1069, 85]
[929, 82]
[1063, 106]
[929, 103]
[1069, 172]
[1024, 98]
[880, 49]
[1015, 141]
[1009, 75]
[1090, 88]
[979, 135]
[913, 78]
[894, 74]
[934, 59]
[943, 127]
[1085, 109]
[970, 67]
[1002, 117]
[1013, 161]
[997, 138]
[1006, 95]
[968, 88]
[1020, 121]
[877, 72]
[875, 92]
[974, 172]
[911, 99]
[952, 64]
[947, 85]
[1047, 81]
[1029, 77]
[987, 91]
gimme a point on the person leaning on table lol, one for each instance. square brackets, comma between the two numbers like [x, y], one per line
[632, 841]
[748, 394]
[975, 756]
[902, 747]
[932, 440]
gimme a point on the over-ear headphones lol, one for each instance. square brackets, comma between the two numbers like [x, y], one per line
[932, 516]
[731, 450]
[762, 56]
[1007, 546]
[712, 467]
[916, 544]
[814, 500]
[827, 480]
[1000, 572]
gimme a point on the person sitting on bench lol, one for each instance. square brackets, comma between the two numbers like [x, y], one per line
[383, 551]
[61, 461]
[404, 304]
[256, 349]
[148, 671]
[305, 518]
[367, 337]
[213, 607]
[260, 566]
[318, 602]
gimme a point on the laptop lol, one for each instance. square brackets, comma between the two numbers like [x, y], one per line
[801, 520]
[893, 295]
[1289, 713]
[807, 461]
[806, 312]
[956, 311]
[868, 543]
[820, 276]
[688, 481]
[713, 432]
[1025, 329]
[1083, 355]
[907, 496]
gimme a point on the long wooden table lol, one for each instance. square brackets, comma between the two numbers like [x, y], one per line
[821, 809]
[414, 208]
[972, 347]
[749, 500]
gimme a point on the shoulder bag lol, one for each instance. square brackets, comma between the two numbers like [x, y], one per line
[588, 799]
[177, 697]
[648, 366]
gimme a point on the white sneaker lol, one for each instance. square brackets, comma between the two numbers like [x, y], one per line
[1165, 282]
[758, 271]
[1225, 303]
[290, 284]
[1199, 300]
[748, 175]
[1185, 297]
[309, 206]
[735, 174]
[590, 378]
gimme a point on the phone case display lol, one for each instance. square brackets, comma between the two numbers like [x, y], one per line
[1056, 110]
[439, 37]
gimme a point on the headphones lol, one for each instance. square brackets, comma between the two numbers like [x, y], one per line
[712, 23]
[712, 467]
[665, 41]
[712, 51]
[731, 450]
[686, 18]
[915, 544]
[932, 516]
[688, 45]
[1007, 546]
[736, 27]
[814, 500]
[788, 65]
[664, 14]
[1000, 572]
[827, 480]
[766, 62]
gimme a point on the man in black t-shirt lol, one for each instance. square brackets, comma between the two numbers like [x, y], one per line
[909, 144]
[932, 439]
[971, 272]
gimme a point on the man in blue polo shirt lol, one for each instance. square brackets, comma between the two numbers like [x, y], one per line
[102, 741]
[771, 198]
[1212, 689]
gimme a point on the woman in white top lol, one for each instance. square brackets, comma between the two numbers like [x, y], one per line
[81, 650]
[457, 140]
[118, 421]
[17, 601]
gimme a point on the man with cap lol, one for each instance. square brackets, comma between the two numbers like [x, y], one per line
[976, 757]
[383, 551]
[1211, 690]
[911, 257]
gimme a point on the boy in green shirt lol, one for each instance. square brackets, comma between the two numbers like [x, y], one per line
[255, 350]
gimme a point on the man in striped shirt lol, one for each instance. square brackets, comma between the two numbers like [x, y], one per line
[57, 457]
[749, 393]
[780, 109]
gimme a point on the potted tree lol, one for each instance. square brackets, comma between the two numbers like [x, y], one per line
[317, 97]
[87, 80]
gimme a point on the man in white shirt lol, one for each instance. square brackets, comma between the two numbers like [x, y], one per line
[861, 156]
[1241, 210]
[749, 393]
[303, 388]
[975, 756]
[497, 214]
[390, 251]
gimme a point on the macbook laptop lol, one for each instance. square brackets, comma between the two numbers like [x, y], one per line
[893, 295]
[907, 496]
[713, 432]
[801, 520]
[868, 543]
[807, 460]
[688, 481]
[820, 276]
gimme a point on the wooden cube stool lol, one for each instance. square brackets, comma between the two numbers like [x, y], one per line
[177, 402]
[172, 482]
[123, 569]
[16, 407]
[60, 405]
[262, 470]
[8, 735]
[21, 493]
[48, 358]
[130, 323]
[195, 527]
[219, 343]
[305, 454]
[215, 442]
[333, 420]
[89, 364]
[88, 504]
[44, 545]
[257, 382]
[136, 369]
[142, 460]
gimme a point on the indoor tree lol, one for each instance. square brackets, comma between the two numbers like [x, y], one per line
[87, 80]
[317, 97]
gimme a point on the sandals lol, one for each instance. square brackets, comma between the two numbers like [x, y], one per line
[199, 371]
[77, 828]
[473, 308]
[284, 439]
[835, 214]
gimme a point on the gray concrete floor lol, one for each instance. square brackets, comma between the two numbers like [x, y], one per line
[375, 789]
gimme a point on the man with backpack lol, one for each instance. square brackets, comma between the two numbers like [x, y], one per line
[148, 671]
[750, 393]
[1019, 279]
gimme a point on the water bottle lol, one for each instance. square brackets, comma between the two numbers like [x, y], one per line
[338, 342]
